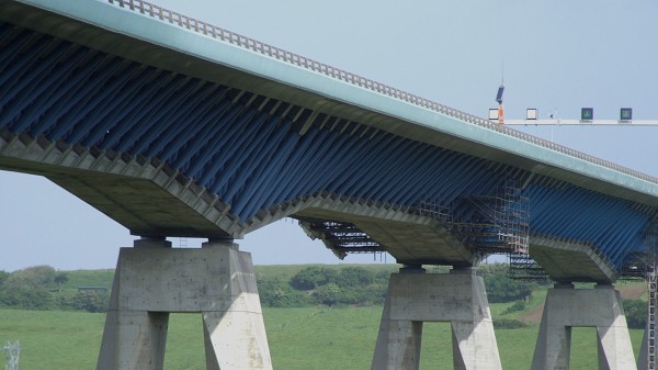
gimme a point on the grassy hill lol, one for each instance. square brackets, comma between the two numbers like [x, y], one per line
[306, 338]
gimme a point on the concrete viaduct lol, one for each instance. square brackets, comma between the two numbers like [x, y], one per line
[175, 127]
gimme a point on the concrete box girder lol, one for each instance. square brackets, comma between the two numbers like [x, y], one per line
[570, 261]
[150, 200]
[410, 238]
[146, 199]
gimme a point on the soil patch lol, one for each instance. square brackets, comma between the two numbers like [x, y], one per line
[632, 291]
[533, 316]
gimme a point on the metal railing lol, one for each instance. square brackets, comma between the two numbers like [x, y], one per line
[204, 28]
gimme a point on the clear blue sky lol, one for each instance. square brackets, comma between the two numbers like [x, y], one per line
[557, 55]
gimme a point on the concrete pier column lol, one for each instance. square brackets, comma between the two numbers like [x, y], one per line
[133, 339]
[152, 280]
[398, 341]
[566, 308]
[415, 297]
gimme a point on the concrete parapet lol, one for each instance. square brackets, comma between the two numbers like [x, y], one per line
[567, 307]
[458, 298]
[217, 281]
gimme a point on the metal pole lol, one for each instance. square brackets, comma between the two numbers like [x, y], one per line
[651, 319]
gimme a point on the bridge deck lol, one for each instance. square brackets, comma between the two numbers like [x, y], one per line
[237, 134]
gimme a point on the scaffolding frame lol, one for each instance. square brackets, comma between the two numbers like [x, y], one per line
[487, 224]
[499, 224]
[496, 224]
[341, 237]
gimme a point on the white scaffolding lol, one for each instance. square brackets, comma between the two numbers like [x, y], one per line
[500, 223]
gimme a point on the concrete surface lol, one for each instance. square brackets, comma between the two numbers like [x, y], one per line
[458, 297]
[569, 261]
[153, 280]
[567, 307]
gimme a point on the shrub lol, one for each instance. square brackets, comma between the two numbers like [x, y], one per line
[90, 301]
[355, 277]
[37, 277]
[3, 276]
[516, 307]
[636, 313]
[274, 293]
[312, 277]
[508, 324]
[25, 297]
[328, 294]
[500, 288]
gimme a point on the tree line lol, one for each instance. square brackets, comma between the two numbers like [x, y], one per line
[41, 288]
[353, 285]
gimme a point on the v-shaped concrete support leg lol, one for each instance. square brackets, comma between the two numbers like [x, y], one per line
[133, 340]
[237, 334]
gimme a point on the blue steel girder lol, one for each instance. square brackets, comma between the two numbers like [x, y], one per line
[257, 152]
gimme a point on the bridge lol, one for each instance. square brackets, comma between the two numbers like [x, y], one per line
[175, 127]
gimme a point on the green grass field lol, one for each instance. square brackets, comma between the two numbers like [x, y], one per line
[310, 338]
[314, 338]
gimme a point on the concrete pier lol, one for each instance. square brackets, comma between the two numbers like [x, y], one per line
[152, 280]
[415, 297]
[567, 307]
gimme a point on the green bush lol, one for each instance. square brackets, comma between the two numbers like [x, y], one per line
[26, 297]
[516, 307]
[312, 277]
[509, 324]
[500, 288]
[36, 277]
[90, 301]
[274, 293]
[636, 313]
[350, 285]
[329, 295]
[3, 276]
[355, 277]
